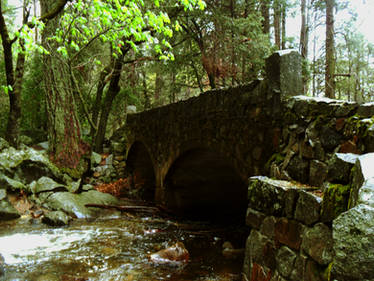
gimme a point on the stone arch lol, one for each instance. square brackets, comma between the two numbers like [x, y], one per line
[203, 184]
[140, 166]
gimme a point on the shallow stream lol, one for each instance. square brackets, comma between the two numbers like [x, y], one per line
[117, 248]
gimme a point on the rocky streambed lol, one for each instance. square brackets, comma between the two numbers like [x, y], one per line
[49, 231]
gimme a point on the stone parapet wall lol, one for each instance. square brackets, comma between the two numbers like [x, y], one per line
[288, 240]
[323, 227]
[313, 130]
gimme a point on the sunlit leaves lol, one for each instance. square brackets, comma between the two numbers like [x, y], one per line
[27, 35]
[118, 22]
[6, 89]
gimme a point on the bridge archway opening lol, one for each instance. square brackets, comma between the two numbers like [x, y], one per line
[202, 184]
[140, 169]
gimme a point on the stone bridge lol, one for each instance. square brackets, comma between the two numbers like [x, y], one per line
[195, 157]
[198, 154]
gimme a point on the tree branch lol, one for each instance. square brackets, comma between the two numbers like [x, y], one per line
[59, 6]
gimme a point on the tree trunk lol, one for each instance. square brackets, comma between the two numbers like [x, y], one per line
[277, 21]
[147, 101]
[14, 119]
[14, 79]
[330, 58]
[265, 16]
[159, 85]
[304, 39]
[283, 39]
[98, 99]
[173, 92]
[304, 31]
[65, 145]
[112, 92]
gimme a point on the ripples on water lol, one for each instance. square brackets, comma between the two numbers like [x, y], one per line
[114, 249]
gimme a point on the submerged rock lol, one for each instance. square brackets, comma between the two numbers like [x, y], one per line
[229, 252]
[175, 254]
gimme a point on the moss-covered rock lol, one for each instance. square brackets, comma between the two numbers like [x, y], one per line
[7, 211]
[46, 184]
[335, 201]
[56, 218]
[339, 167]
[12, 184]
[74, 204]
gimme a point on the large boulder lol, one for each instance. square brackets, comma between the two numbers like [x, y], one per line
[44, 184]
[318, 243]
[74, 204]
[353, 235]
[56, 218]
[28, 163]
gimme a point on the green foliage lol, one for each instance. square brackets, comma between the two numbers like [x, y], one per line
[34, 117]
[118, 23]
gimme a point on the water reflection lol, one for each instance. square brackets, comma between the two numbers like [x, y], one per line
[113, 249]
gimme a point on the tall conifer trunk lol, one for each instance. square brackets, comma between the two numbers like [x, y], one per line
[330, 58]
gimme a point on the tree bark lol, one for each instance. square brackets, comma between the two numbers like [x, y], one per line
[65, 144]
[304, 39]
[283, 23]
[147, 101]
[265, 16]
[330, 56]
[112, 92]
[277, 21]
[14, 78]
[98, 99]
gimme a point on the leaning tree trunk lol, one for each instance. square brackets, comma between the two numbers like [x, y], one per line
[112, 92]
[65, 145]
[330, 59]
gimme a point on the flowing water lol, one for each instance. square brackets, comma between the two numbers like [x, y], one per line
[116, 248]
